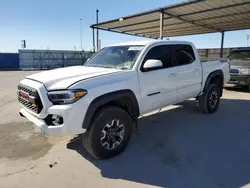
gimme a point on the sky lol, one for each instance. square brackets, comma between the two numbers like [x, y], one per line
[55, 24]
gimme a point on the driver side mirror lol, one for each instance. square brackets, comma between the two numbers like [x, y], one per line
[152, 64]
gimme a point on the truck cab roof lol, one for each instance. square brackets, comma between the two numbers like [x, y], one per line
[148, 42]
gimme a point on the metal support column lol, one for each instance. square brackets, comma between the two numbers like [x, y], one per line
[222, 44]
[93, 39]
[161, 24]
[97, 31]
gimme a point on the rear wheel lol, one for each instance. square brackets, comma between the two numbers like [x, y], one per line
[209, 101]
[109, 133]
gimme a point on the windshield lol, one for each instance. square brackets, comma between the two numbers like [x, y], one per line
[240, 55]
[118, 57]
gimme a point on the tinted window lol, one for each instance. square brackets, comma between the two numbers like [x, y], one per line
[184, 54]
[240, 55]
[162, 53]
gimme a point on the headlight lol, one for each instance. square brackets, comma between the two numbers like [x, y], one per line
[66, 96]
[245, 71]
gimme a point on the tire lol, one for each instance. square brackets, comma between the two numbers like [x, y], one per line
[99, 139]
[209, 101]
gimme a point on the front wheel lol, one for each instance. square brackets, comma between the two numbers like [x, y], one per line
[109, 133]
[209, 101]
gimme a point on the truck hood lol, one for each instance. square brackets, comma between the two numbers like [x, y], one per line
[62, 78]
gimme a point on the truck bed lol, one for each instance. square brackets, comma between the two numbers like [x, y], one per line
[213, 59]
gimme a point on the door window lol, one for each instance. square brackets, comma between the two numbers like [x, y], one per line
[162, 53]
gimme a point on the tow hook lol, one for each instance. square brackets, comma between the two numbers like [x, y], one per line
[21, 115]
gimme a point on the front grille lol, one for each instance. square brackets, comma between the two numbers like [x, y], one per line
[234, 71]
[34, 104]
[28, 105]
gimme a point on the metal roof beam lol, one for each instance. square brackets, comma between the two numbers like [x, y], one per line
[134, 24]
[191, 22]
[188, 34]
[120, 32]
[167, 30]
[177, 31]
[152, 27]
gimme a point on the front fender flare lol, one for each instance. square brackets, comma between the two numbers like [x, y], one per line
[109, 97]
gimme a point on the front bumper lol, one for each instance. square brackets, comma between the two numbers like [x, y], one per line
[73, 114]
[239, 80]
[71, 125]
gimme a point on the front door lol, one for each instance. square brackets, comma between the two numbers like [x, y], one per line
[157, 87]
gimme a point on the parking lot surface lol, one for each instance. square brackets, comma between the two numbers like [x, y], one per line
[178, 147]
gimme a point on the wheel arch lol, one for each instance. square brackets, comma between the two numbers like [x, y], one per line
[215, 77]
[124, 99]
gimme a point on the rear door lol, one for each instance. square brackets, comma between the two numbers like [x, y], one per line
[158, 87]
[189, 74]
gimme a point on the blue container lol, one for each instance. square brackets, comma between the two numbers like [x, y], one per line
[9, 60]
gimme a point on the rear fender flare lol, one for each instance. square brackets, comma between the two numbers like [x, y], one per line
[211, 76]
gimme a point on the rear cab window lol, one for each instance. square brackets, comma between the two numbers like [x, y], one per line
[183, 54]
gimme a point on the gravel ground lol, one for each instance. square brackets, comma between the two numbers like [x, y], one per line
[176, 148]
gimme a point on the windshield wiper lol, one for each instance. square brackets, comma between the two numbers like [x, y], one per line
[99, 66]
[123, 68]
[109, 67]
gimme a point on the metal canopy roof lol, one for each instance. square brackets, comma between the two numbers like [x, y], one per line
[187, 18]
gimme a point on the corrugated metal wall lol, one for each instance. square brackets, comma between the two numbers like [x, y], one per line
[46, 59]
[9, 60]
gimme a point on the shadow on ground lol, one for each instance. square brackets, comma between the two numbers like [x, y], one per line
[238, 89]
[183, 148]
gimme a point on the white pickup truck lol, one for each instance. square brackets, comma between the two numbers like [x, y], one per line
[103, 99]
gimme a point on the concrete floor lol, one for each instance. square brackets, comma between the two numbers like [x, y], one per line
[176, 148]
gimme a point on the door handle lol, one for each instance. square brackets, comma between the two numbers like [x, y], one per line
[172, 75]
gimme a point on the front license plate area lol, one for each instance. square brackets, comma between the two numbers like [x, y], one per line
[24, 96]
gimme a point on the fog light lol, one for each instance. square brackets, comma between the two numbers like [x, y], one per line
[57, 120]
[53, 120]
[242, 82]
